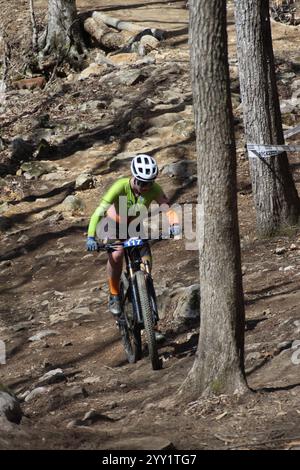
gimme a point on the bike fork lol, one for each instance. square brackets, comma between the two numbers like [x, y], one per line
[135, 303]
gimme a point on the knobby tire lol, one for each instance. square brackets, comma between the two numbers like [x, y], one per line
[130, 333]
[147, 314]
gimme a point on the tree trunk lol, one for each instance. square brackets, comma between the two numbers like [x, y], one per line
[63, 36]
[219, 363]
[275, 195]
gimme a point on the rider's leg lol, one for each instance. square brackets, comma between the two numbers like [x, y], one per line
[147, 261]
[114, 271]
[146, 256]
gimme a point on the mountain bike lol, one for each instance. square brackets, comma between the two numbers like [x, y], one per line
[138, 302]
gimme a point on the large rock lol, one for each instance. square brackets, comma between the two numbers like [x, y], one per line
[84, 181]
[51, 377]
[288, 106]
[124, 58]
[55, 218]
[182, 169]
[184, 128]
[10, 408]
[164, 120]
[75, 392]
[73, 204]
[188, 305]
[172, 97]
[42, 335]
[79, 312]
[35, 169]
[130, 77]
[149, 60]
[149, 42]
[117, 104]
[55, 176]
[37, 392]
[282, 371]
[91, 71]
[181, 307]
[296, 84]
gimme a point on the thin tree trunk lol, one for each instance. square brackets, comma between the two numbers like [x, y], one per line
[274, 191]
[5, 60]
[219, 363]
[33, 25]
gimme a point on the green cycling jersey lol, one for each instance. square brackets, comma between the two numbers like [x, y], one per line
[122, 187]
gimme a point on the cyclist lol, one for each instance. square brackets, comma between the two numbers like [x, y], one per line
[140, 190]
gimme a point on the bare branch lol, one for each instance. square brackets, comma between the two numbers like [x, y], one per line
[33, 25]
[4, 60]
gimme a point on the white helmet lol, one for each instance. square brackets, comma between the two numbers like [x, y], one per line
[144, 168]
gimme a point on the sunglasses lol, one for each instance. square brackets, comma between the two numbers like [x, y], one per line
[143, 184]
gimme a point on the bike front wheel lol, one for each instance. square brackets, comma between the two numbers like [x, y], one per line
[148, 318]
[130, 332]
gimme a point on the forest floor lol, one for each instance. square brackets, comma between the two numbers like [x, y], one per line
[49, 282]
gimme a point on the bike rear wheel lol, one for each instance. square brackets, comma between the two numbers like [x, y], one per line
[148, 318]
[130, 333]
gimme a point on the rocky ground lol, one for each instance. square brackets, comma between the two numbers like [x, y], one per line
[61, 146]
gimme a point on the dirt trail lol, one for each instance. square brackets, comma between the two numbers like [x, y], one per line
[49, 282]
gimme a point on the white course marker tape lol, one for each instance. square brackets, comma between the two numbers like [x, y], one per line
[266, 151]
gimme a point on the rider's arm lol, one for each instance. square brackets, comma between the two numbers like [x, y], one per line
[108, 199]
[171, 214]
[96, 217]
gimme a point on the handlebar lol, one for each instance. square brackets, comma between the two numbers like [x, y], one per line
[111, 246]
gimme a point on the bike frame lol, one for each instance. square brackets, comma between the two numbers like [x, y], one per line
[134, 263]
[138, 302]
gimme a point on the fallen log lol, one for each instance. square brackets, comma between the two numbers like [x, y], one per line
[105, 36]
[98, 27]
[116, 22]
[142, 42]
